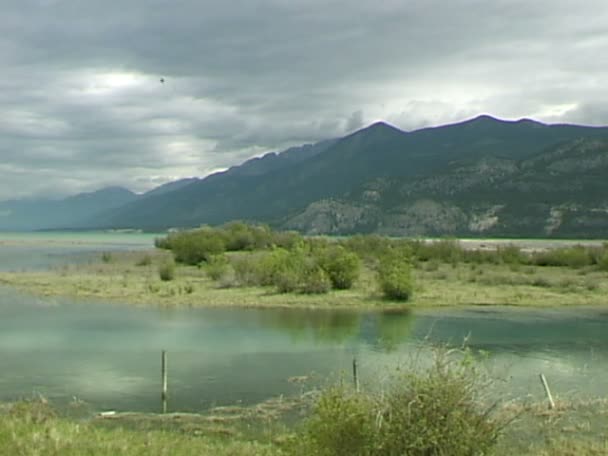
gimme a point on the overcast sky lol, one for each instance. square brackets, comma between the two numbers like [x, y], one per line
[82, 105]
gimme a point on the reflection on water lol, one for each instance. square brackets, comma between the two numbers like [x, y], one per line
[109, 355]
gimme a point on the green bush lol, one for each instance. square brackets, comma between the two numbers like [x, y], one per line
[299, 272]
[166, 271]
[314, 280]
[341, 266]
[248, 270]
[194, 247]
[145, 260]
[217, 267]
[428, 411]
[341, 424]
[395, 276]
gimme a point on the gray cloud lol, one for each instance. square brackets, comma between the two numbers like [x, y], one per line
[82, 105]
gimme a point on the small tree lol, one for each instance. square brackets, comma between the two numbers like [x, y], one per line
[341, 266]
[166, 270]
[395, 275]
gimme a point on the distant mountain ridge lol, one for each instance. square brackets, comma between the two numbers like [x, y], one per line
[480, 177]
[37, 214]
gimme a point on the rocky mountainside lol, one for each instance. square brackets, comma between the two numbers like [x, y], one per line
[562, 192]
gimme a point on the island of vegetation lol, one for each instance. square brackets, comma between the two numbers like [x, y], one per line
[240, 264]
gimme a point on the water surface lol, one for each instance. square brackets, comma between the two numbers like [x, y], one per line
[109, 355]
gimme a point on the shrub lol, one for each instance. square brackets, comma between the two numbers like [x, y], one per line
[145, 260]
[394, 275]
[314, 280]
[341, 266]
[286, 239]
[106, 257]
[217, 267]
[511, 254]
[247, 270]
[297, 271]
[194, 247]
[432, 411]
[166, 271]
[342, 424]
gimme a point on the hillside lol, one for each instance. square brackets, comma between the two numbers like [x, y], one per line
[480, 177]
[36, 214]
[452, 179]
[561, 192]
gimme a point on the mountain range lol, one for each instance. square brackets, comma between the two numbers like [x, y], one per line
[480, 177]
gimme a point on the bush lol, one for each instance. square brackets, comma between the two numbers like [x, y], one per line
[433, 411]
[248, 270]
[217, 267]
[342, 267]
[194, 247]
[394, 275]
[342, 424]
[166, 271]
[298, 272]
[145, 260]
[314, 280]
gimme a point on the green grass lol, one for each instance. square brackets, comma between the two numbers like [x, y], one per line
[24, 435]
[574, 428]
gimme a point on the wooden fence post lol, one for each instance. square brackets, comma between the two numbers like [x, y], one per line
[163, 373]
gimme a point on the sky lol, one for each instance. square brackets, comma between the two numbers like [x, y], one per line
[82, 105]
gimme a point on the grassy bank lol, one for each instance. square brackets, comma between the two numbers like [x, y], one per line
[133, 277]
[440, 419]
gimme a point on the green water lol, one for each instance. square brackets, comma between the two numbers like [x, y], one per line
[108, 355]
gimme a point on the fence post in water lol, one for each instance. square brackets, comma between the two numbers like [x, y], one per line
[355, 376]
[547, 391]
[163, 372]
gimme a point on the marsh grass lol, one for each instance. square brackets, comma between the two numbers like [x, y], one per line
[438, 286]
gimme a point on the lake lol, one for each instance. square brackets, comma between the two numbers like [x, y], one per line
[108, 355]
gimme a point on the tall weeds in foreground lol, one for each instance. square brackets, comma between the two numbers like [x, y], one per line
[32, 428]
[434, 411]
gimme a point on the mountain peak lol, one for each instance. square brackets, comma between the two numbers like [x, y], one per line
[378, 129]
[381, 125]
[484, 119]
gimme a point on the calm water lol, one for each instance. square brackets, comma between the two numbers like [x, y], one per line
[40, 250]
[109, 355]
